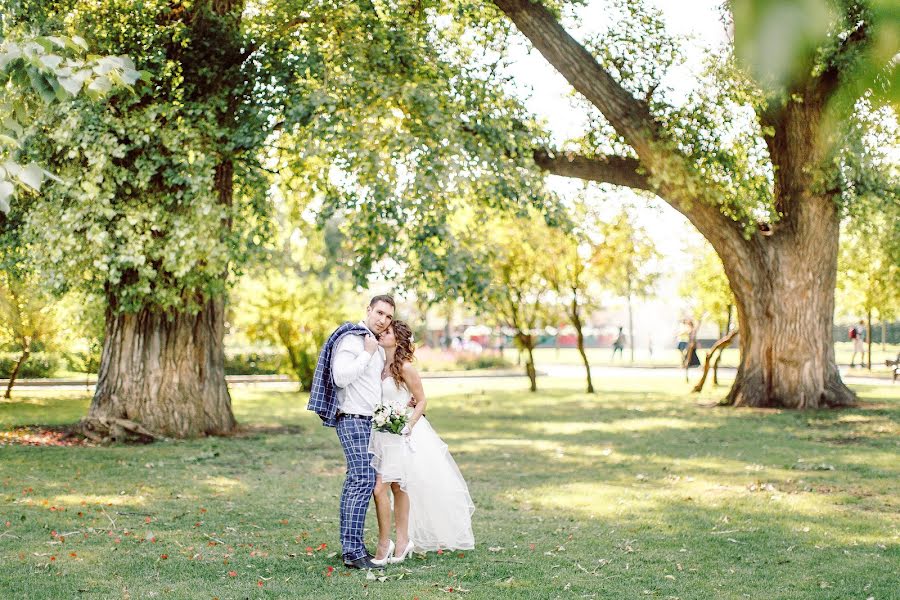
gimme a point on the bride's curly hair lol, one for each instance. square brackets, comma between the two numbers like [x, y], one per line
[404, 351]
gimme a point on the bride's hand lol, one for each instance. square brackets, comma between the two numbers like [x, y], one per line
[407, 429]
[412, 402]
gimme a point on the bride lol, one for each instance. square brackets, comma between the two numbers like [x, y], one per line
[432, 506]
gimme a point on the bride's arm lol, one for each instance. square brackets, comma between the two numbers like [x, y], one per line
[414, 385]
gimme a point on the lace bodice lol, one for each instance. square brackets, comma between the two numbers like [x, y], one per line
[391, 393]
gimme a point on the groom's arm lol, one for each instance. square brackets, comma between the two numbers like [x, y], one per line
[350, 360]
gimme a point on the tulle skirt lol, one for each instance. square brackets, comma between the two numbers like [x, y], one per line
[440, 507]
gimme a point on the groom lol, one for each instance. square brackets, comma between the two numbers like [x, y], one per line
[345, 390]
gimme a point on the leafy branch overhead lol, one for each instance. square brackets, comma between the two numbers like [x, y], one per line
[49, 69]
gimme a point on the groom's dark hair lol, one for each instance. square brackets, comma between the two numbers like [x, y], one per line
[382, 298]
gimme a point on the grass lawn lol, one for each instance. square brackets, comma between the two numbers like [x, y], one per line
[635, 492]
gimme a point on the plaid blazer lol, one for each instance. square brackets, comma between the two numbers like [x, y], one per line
[323, 392]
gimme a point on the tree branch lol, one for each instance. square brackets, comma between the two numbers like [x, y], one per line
[629, 116]
[617, 170]
[827, 83]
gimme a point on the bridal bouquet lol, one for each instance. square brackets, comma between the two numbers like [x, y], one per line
[391, 417]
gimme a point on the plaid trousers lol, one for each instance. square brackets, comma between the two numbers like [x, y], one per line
[354, 435]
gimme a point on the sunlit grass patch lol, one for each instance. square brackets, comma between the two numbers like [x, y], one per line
[634, 489]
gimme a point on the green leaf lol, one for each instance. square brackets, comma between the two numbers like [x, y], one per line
[51, 61]
[40, 85]
[12, 125]
[32, 176]
[71, 85]
[9, 141]
[6, 191]
[100, 86]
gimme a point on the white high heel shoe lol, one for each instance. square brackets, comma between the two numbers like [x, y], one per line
[406, 552]
[387, 558]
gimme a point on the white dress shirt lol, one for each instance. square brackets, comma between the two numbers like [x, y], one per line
[357, 375]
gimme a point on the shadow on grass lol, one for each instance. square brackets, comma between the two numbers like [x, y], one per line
[628, 493]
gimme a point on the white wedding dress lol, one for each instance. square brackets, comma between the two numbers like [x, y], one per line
[440, 508]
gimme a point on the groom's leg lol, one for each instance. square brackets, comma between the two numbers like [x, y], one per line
[354, 436]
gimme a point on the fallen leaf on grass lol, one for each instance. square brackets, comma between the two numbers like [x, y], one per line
[451, 590]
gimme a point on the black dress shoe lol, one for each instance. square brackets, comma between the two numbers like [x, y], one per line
[363, 562]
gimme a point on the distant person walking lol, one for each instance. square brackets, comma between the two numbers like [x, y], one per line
[857, 335]
[687, 343]
[619, 345]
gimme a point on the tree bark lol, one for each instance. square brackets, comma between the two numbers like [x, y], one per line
[165, 372]
[531, 371]
[15, 372]
[576, 323]
[617, 170]
[716, 368]
[785, 304]
[526, 342]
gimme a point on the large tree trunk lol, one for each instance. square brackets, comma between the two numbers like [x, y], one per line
[165, 372]
[784, 291]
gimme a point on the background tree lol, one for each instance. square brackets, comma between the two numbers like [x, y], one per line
[298, 296]
[705, 289]
[27, 321]
[295, 312]
[570, 278]
[868, 271]
[571, 275]
[81, 323]
[759, 189]
[625, 260]
[510, 287]
[868, 278]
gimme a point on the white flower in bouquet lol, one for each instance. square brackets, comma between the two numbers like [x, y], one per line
[390, 418]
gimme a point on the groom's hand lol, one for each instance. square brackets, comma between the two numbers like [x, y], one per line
[412, 402]
[370, 343]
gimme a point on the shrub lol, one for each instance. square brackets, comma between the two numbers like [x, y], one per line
[38, 365]
[482, 361]
[254, 363]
